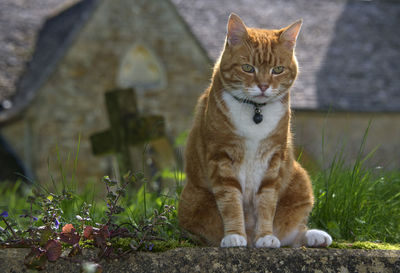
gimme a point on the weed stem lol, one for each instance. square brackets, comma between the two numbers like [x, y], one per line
[9, 227]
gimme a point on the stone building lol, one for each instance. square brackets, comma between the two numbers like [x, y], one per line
[88, 49]
[165, 50]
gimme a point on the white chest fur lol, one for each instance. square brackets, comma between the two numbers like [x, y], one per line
[254, 165]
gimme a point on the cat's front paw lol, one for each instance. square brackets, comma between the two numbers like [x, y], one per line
[269, 241]
[317, 238]
[233, 240]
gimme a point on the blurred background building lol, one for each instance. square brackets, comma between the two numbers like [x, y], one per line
[59, 57]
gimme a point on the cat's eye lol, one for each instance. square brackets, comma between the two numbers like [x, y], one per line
[277, 70]
[248, 68]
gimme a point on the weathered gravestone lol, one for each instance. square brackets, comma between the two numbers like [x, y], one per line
[127, 128]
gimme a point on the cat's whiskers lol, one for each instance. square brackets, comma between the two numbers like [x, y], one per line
[227, 88]
[243, 97]
[237, 91]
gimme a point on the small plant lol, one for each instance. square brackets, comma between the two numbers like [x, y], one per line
[47, 231]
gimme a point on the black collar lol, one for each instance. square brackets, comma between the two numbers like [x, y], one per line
[258, 117]
[255, 104]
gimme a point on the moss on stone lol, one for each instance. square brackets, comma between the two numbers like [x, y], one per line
[365, 245]
[160, 246]
[157, 246]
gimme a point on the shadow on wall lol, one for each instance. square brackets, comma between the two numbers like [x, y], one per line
[361, 71]
[11, 167]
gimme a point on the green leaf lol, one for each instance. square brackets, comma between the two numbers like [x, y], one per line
[45, 234]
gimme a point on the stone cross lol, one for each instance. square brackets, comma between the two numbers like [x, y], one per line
[128, 128]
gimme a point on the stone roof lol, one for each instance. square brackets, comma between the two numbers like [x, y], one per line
[28, 58]
[20, 21]
[347, 50]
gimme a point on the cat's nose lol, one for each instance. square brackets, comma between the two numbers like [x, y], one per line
[263, 87]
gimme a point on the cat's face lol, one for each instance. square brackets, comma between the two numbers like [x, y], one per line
[258, 64]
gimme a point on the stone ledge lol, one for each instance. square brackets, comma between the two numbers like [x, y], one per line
[224, 260]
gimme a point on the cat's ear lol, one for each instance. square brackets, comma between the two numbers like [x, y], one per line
[236, 30]
[289, 34]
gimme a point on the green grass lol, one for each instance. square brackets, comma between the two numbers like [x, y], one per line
[356, 203]
[352, 203]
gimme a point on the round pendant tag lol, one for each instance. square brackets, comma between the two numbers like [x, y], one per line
[257, 118]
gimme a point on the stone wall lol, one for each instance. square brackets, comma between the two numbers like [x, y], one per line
[225, 260]
[345, 131]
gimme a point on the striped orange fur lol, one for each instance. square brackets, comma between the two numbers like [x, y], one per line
[244, 187]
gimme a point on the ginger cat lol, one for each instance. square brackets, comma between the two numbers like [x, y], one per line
[244, 187]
